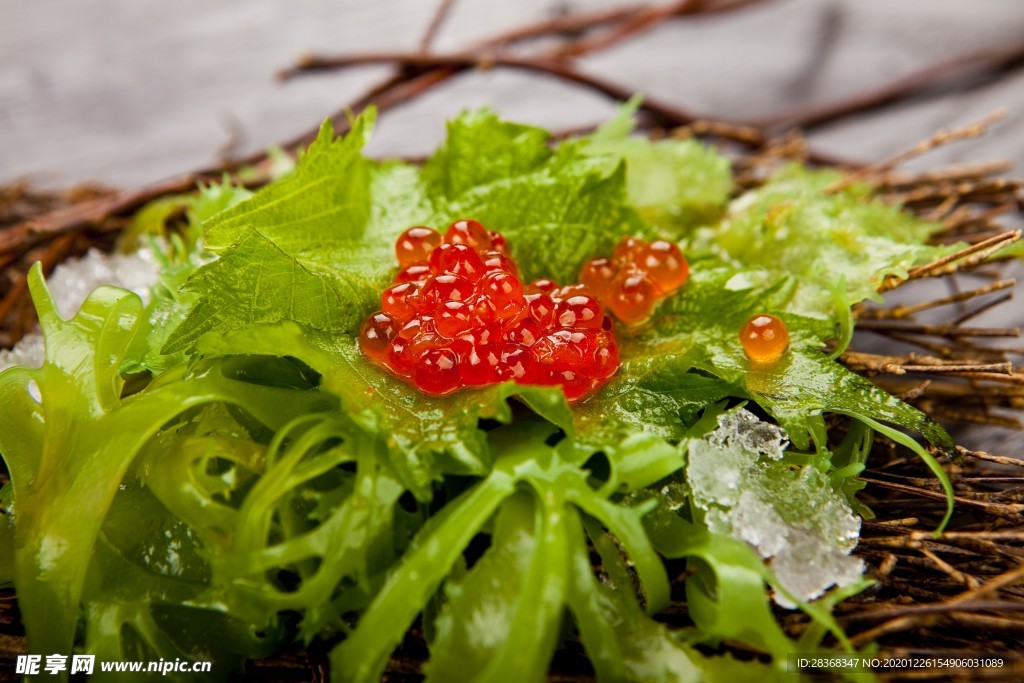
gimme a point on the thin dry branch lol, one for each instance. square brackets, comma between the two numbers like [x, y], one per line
[959, 260]
[645, 19]
[940, 138]
[667, 114]
[901, 312]
[1010, 511]
[982, 455]
[898, 90]
[950, 330]
[899, 365]
[444, 9]
[960, 172]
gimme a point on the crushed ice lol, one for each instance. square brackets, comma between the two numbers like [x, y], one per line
[790, 516]
[73, 280]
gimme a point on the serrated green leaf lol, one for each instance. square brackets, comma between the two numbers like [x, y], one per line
[241, 279]
[556, 209]
[480, 149]
[846, 240]
[675, 185]
[694, 334]
[326, 198]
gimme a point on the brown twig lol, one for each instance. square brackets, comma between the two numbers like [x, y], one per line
[644, 19]
[942, 137]
[901, 312]
[667, 114]
[982, 455]
[1011, 511]
[958, 260]
[960, 172]
[444, 9]
[950, 330]
[898, 90]
[962, 601]
[899, 365]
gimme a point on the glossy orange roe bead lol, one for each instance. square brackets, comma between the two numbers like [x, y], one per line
[764, 338]
[637, 276]
[598, 275]
[415, 244]
[664, 264]
[633, 297]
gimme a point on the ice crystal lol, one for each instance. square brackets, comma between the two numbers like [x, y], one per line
[789, 515]
[72, 281]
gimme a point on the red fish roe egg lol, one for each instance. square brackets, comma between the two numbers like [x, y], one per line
[628, 248]
[598, 275]
[496, 261]
[482, 365]
[444, 288]
[401, 300]
[485, 334]
[504, 290]
[764, 338]
[452, 318]
[415, 244]
[543, 285]
[437, 371]
[483, 311]
[498, 242]
[574, 384]
[579, 312]
[398, 359]
[541, 308]
[633, 298]
[469, 233]
[525, 332]
[416, 327]
[518, 362]
[605, 358]
[570, 291]
[456, 259]
[377, 333]
[664, 264]
[561, 350]
[417, 272]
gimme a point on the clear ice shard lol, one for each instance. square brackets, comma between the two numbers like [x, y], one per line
[73, 280]
[791, 516]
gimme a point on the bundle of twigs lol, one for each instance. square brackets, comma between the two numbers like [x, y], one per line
[958, 593]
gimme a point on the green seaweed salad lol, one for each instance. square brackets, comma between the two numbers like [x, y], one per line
[220, 474]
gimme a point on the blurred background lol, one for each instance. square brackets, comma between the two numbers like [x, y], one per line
[130, 92]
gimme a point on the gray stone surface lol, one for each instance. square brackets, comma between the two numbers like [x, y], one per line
[128, 92]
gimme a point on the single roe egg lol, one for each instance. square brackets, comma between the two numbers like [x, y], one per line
[764, 338]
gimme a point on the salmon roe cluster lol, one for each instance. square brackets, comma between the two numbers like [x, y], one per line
[636, 277]
[458, 315]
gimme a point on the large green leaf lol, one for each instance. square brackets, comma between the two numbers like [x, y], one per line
[689, 356]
